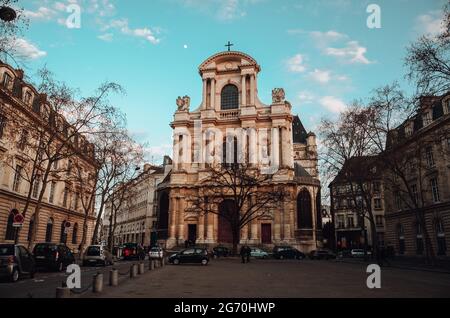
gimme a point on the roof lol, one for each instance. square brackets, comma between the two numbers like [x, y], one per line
[300, 171]
[357, 168]
[299, 133]
[229, 55]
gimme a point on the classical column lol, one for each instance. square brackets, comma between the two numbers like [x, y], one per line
[244, 234]
[287, 221]
[244, 90]
[201, 228]
[252, 89]
[181, 225]
[288, 153]
[275, 146]
[205, 81]
[213, 93]
[216, 228]
[277, 223]
[172, 225]
[210, 227]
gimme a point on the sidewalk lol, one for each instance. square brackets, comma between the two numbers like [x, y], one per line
[407, 263]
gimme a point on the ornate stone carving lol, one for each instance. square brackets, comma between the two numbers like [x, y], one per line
[278, 96]
[183, 103]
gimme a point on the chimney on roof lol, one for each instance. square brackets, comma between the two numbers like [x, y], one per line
[147, 167]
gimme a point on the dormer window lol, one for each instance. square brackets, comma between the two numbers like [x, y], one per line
[447, 106]
[7, 81]
[408, 130]
[427, 118]
[27, 98]
[230, 97]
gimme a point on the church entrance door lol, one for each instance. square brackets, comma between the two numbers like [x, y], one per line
[226, 212]
[266, 233]
[192, 232]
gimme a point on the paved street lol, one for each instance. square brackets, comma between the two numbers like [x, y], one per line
[273, 278]
[44, 283]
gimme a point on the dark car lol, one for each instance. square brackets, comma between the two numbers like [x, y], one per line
[190, 255]
[16, 261]
[220, 251]
[133, 251]
[322, 254]
[51, 256]
[288, 252]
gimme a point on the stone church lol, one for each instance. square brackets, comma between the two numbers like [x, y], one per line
[230, 102]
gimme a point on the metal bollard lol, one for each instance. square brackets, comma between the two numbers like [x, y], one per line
[151, 265]
[133, 271]
[62, 292]
[163, 262]
[97, 285]
[113, 277]
[141, 269]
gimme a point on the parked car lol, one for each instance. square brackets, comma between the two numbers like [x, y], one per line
[97, 254]
[259, 253]
[190, 255]
[53, 256]
[282, 252]
[16, 261]
[357, 253]
[133, 251]
[322, 254]
[156, 252]
[219, 251]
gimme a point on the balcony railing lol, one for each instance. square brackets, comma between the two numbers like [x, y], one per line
[230, 114]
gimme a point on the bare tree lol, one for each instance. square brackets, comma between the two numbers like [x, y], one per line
[248, 195]
[348, 156]
[428, 60]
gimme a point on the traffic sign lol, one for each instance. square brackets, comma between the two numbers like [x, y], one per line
[18, 220]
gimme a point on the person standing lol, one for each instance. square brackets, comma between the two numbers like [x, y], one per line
[248, 253]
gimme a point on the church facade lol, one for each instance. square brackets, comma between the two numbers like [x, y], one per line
[230, 106]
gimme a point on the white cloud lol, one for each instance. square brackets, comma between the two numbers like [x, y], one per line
[27, 50]
[42, 13]
[295, 64]
[223, 10]
[351, 53]
[107, 37]
[323, 39]
[144, 33]
[332, 104]
[320, 76]
[305, 97]
[430, 23]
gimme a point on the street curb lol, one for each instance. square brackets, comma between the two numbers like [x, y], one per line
[419, 269]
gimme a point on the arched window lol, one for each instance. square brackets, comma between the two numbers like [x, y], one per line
[30, 228]
[63, 234]
[229, 97]
[401, 239]
[318, 210]
[440, 237]
[304, 211]
[419, 238]
[49, 230]
[230, 150]
[75, 234]
[10, 229]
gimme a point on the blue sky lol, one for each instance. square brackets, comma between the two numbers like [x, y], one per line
[320, 51]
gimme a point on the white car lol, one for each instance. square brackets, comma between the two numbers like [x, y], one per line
[156, 252]
[359, 253]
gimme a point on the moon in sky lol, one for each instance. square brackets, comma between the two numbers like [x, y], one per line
[185, 46]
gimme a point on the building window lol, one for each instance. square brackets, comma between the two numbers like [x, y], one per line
[440, 237]
[10, 229]
[350, 222]
[55, 165]
[36, 184]
[230, 97]
[27, 98]
[435, 190]
[379, 220]
[75, 234]
[398, 200]
[447, 106]
[17, 179]
[377, 186]
[23, 140]
[401, 239]
[427, 118]
[51, 197]
[49, 230]
[3, 125]
[63, 234]
[304, 211]
[340, 222]
[77, 199]
[7, 79]
[65, 196]
[430, 157]
[419, 239]
[30, 228]
[69, 167]
[377, 203]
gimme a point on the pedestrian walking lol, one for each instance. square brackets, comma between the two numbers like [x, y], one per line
[248, 253]
[243, 253]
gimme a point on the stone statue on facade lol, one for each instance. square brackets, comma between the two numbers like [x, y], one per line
[278, 95]
[183, 103]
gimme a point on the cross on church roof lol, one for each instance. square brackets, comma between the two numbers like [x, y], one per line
[229, 45]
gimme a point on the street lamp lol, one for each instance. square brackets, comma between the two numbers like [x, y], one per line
[7, 14]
